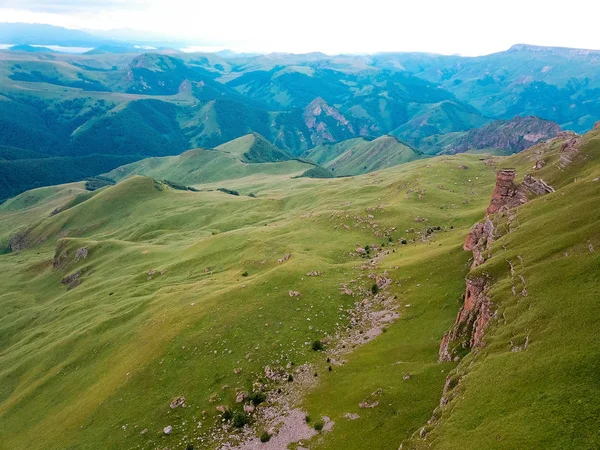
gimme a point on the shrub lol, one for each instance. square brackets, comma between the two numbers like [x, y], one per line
[227, 414]
[318, 425]
[317, 346]
[189, 447]
[228, 191]
[245, 274]
[239, 419]
[307, 418]
[265, 437]
[290, 378]
[257, 397]
[375, 289]
[404, 242]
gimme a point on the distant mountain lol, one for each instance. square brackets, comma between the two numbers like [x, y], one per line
[253, 148]
[42, 34]
[509, 136]
[444, 117]
[30, 49]
[359, 156]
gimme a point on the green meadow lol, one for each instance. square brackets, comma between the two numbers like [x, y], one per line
[181, 293]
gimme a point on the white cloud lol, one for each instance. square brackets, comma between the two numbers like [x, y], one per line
[462, 26]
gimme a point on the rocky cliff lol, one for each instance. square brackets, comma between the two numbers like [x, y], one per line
[475, 314]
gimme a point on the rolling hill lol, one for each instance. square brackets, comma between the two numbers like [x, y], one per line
[359, 156]
[143, 316]
[249, 157]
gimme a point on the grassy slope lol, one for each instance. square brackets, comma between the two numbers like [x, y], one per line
[324, 153]
[201, 166]
[100, 363]
[368, 156]
[96, 367]
[546, 396]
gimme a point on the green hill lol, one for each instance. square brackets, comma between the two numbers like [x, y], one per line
[444, 117]
[321, 297]
[238, 159]
[253, 148]
[358, 156]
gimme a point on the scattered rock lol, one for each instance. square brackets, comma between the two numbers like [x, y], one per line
[368, 405]
[314, 273]
[241, 396]
[81, 253]
[535, 186]
[351, 416]
[284, 258]
[540, 163]
[72, 280]
[407, 376]
[294, 293]
[168, 430]
[249, 409]
[177, 402]
[144, 431]
[237, 370]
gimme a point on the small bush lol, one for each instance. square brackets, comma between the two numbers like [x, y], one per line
[375, 289]
[227, 414]
[317, 346]
[307, 418]
[404, 242]
[290, 378]
[239, 419]
[257, 397]
[189, 447]
[245, 274]
[265, 437]
[228, 191]
[318, 425]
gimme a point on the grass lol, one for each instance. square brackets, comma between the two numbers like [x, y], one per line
[163, 309]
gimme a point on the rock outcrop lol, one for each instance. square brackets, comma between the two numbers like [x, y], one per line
[514, 135]
[507, 194]
[471, 321]
[475, 314]
[569, 148]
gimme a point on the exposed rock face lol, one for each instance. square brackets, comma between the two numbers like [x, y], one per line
[471, 321]
[507, 193]
[326, 123]
[570, 147]
[18, 242]
[514, 135]
[475, 314]
[478, 241]
[597, 125]
[535, 186]
[72, 280]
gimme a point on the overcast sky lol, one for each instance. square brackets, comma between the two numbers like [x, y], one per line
[468, 27]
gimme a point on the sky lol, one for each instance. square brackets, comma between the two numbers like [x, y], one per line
[466, 27]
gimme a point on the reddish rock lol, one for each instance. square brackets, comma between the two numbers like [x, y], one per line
[597, 125]
[478, 241]
[506, 194]
[471, 321]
